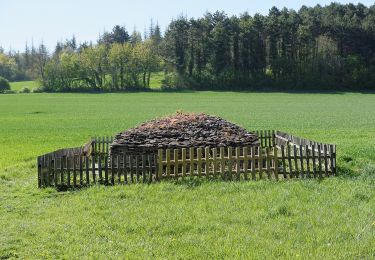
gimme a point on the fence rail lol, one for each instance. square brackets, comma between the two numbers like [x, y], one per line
[279, 156]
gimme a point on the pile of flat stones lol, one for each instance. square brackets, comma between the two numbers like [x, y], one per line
[183, 130]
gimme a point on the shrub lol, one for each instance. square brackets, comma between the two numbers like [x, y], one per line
[9, 91]
[24, 90]
[173, 81]
[37, 90]
[4, 85]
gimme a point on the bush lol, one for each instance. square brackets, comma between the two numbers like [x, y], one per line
[9, 91]
[37, 90]
[4, 85]
[24, 90]
[173, 82]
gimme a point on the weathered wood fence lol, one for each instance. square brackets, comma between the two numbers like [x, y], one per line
[279, 156]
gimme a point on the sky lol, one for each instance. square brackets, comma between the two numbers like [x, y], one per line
[49, 21]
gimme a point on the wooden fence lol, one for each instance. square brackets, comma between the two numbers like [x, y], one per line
[279, 156]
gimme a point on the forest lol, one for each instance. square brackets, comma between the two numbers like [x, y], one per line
[322, 48]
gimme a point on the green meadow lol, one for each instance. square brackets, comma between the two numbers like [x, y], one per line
[17, 86]
[332, 218]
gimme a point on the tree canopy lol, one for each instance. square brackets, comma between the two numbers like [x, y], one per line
[331, 47]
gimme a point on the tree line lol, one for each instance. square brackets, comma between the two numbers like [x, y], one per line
[329, 47]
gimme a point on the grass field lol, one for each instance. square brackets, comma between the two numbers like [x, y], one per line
[333, 218]
[17, 86]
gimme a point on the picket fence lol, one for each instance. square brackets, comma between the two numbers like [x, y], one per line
[279, 156]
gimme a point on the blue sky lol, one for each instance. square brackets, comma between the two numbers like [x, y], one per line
[53, 20]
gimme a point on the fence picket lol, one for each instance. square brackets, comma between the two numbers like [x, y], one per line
[331, 158]
[253, 163]
[301, 161]
[168, 159]
[307, 150]
[290, 163]
[63, 160]
[93, 169]
[207, 161]
[268, 163]
[118, 169]
[176, 163]
[245, 162]
[260, 162]
[112, 170]
[283, 161]
[150, 169]
[199, 161]
[125, 169]
[68, 170]
[131, 168]
[214, 162]
[320, 161]
[87, 170]
[295, 156]
[137, 167]
[106, 170]
[276, 162]
[222, 163]
[325, 161]
[80, 171]
[313, 159]
[55, 171]
[160, 165]
[183, 166]
[143, 169]
[230, 162]
[238, 168]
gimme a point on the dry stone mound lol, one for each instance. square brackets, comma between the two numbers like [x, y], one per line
[183, 130]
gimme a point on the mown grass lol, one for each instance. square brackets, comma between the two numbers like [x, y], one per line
[156, 80]
[17, 86]
[332, 218]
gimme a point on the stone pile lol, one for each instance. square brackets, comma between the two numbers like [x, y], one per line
[183, 130]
